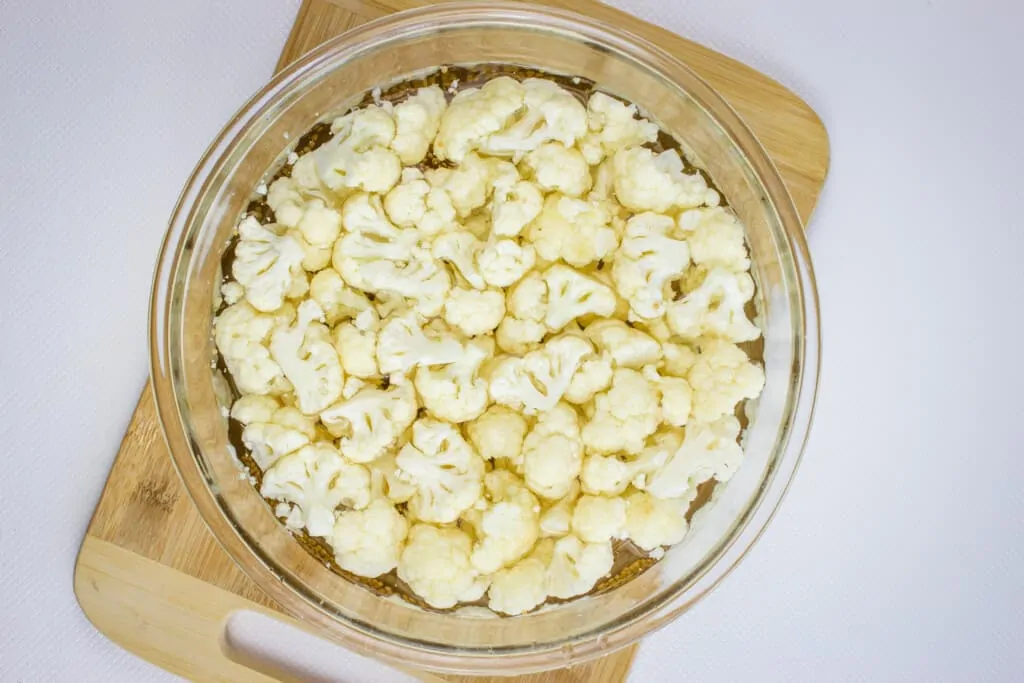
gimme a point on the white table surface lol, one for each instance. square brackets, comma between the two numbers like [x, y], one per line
[898, 552]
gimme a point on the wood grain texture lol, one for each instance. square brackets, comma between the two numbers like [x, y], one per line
[150, 575]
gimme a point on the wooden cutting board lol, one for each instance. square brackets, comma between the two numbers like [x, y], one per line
[149, 574]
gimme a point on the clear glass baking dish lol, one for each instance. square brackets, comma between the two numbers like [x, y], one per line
[337, 75]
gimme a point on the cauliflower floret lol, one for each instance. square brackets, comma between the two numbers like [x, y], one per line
[317, 231]
[285, 198]
[504, 262]
[715, 308]
[536, 382]
[652, 522]
[550, 113]
[605, 474]
[435, 563]
[338, 300]
[308, 359]
[571, 294]
[462, 250]
[625, 415]
[647, 262]
[593, 376]
[369, 542]
[413, 203]
[514, 203]
[474, 114]
[645, 181]
[597, 519]
[715, 237]
[709, 450]
[385, 481]
[454, 392]
[721, 377]
[358, 155]
[416, 122]
[267, 265]
[317, 479]
[508, 527]
[522, 586]
[576, 566]
[675, 394]
[498, 435]
[557, 168]
[271, 430]
[679, 358]
[574, 230]
[556, 520]
[526, 304]
[242, 334]
[553, 453]
[625, 346]
[446, 470]
[402, 345]
[231, 293]
[370, 422]
[356, 344]
[613, 125]
[468, 184]
[474, 312]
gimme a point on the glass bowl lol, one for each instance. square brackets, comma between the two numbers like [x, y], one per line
[335, 76]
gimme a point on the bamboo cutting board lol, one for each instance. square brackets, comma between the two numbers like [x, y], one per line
[149, 574]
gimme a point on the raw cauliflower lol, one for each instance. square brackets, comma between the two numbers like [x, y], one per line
[576, 231]
[514, 204]
[536, 382]
[708, 451]
[553, 452]
[368, 542]
[498, 435]
[508, 527]
[436, 564]
[317, 479]
[455, 392]
[572, 295]
[624, 415]
[308, 359]
[242, 335]
[403, 345]
[715, 238]
[522, 586]
[475, 114]
[613, 125]
[370, 423]
[652, 522]
[646, 264]
[359, 154]
[271, 430]
[414, 203]
[593, 376]
[674, 395]
[645, 181]
[267, 265]
[721, 377]
[503, 262]
[597, 519]
[446, 471]
[577, 566]
[356, 343]
[416, 122]
[337, 299]
[549, 113]
[557, 168]
[626, 346]
[715, 308]
[474, 312]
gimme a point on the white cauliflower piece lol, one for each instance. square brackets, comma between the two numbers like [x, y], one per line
[715, 237]
[498, 435]
[267, 265]
[593, 376]
[308, 359]
[576, 566]
[556, 520]
[597, 519]
[715, 308]
[318, 229]
[645, 181]
[462, 250]
[385, 481]
[536, 382]
[678, 359]
[413, 203]
[627, 347]
[356, 344]
[574, 230]
[337, 299]
[625, 415]
[514, 203]
[446, 470]
[468, 185]
[287, 201]
[475, 114]
[508, 526]
[605, 475]
[435, 563]
[709, 450]
[553, 453]
[504, 262]
[652, 522]
[557, 168]
[242, 334]
[271, 430]
[675, 395]
[550, 113]
[231, 292]
[416, 122]
[403, 345]
[721, 377]
[317, 479]
[613, 125]
[647, 262]
[369, 542]
[522, 586]
[371, 422]
[474, 312]
[358, 155]
[455, 392]
[571, 294]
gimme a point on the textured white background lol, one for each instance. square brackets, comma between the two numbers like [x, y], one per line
[897, 554]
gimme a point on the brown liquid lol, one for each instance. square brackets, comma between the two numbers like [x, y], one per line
[630, 561]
